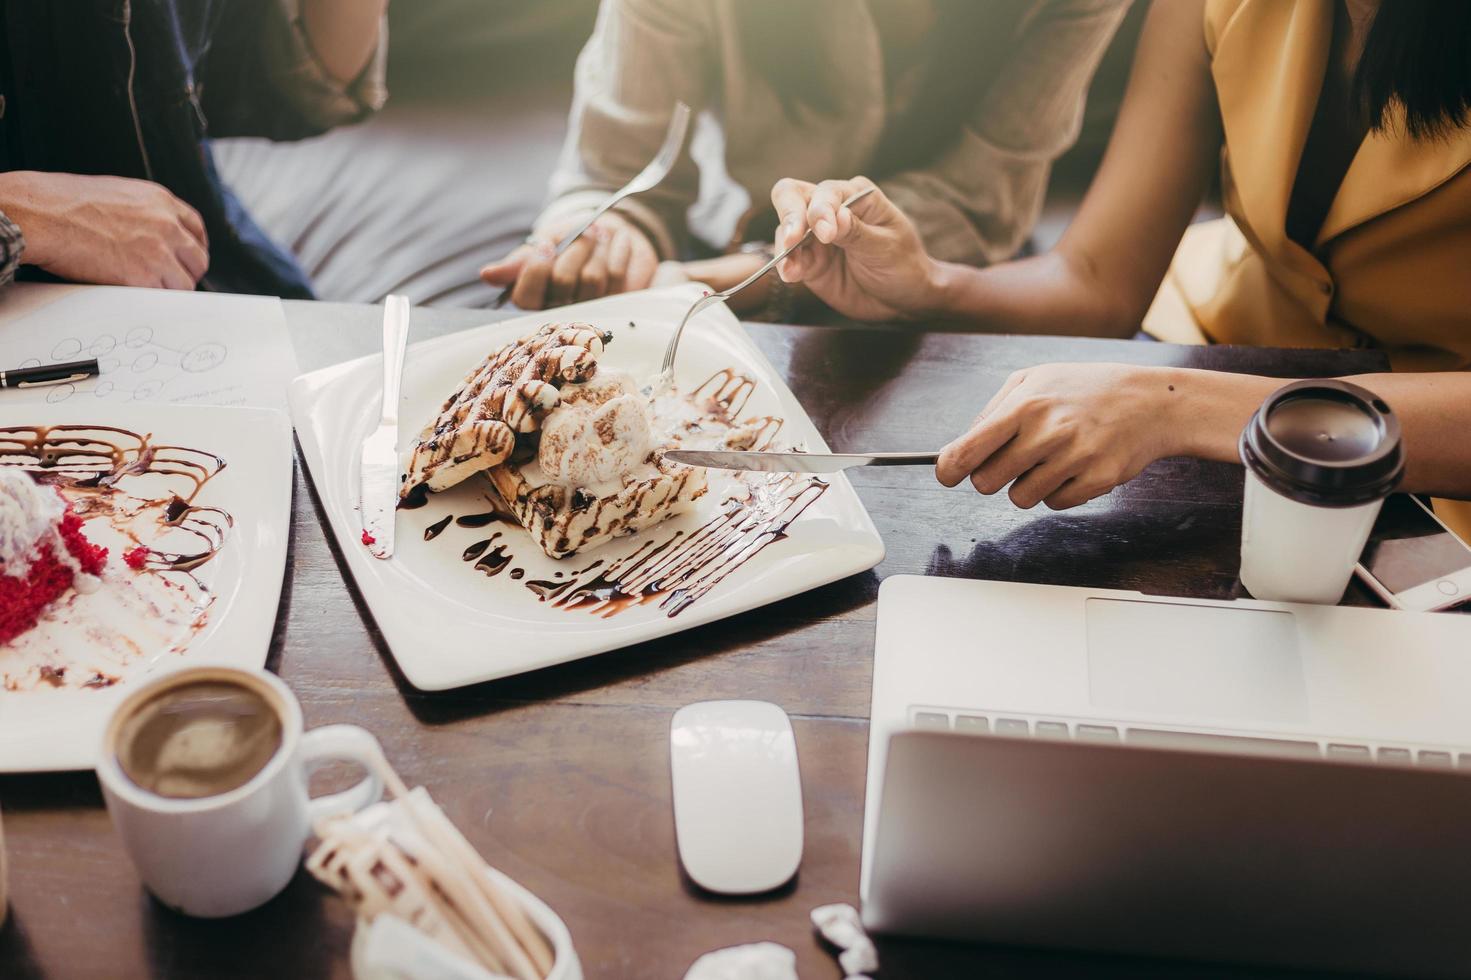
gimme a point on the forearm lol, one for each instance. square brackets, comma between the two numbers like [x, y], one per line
[24, 210]
[13, 199]
[1100, 278]
[1434, 410]
[1046, 294]
[343, 33]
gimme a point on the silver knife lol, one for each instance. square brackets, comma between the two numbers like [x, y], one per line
[768, 462]
[378, 493]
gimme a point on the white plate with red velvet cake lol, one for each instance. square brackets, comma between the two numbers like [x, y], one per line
[133, 539]
[539, 520]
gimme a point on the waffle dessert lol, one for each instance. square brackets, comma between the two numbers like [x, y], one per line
[506, 396]
[43, 552]
[571, 451]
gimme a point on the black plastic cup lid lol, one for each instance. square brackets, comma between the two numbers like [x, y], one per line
[1326, 443]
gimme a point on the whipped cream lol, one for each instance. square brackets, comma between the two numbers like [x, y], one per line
[600, 432]
[29, 515]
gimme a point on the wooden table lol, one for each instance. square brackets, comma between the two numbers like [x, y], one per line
[561, 777]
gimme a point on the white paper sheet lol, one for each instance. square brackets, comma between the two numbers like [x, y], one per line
[152, 344]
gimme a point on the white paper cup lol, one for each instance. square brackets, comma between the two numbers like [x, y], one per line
[1294, 552]
[1320, 458]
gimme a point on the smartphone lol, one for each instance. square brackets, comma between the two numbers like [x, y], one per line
[1412, 560]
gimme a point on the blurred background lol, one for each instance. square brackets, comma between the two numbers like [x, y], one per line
[452, 173]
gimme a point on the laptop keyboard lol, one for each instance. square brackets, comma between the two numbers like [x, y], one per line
[1094, 730]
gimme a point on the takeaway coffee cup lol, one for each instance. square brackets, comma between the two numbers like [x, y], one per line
[1320, 458]
[205, 775]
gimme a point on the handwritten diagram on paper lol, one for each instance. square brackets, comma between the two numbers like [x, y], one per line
[150, 345]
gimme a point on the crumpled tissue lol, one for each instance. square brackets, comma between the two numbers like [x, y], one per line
[756, 961]
[840, 925]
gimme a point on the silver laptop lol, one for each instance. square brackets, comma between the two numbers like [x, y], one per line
[1095, 769]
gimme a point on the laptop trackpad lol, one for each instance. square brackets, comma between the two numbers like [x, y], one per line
[1199, 661]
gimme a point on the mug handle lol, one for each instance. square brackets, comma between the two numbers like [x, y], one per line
[343, 743]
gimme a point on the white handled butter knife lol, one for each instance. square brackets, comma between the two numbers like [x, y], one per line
[378, 492]
[767, 462]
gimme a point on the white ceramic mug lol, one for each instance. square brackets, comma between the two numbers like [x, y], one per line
[225, 854]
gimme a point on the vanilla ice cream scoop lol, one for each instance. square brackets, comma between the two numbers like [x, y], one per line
[599, 432]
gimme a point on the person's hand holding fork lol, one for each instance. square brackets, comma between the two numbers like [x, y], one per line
[865, 261]
[614, 256]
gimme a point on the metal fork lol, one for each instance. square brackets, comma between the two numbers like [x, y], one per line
[666, 373]
[646, 180]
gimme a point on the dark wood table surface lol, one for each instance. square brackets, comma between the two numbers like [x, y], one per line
[561, 777]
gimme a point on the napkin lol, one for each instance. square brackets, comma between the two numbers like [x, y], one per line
[388, 948]
[415, 882]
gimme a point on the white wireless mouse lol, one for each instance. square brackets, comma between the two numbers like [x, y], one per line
[737, 795]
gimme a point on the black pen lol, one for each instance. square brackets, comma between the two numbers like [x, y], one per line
[49, 374]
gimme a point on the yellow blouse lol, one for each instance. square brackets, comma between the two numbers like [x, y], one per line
[1391, 267]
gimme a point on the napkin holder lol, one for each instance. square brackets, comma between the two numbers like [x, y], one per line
[405, 860]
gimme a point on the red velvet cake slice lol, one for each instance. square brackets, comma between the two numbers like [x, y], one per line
[42, 552]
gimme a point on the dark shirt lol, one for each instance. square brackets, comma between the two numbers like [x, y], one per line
[135, 88]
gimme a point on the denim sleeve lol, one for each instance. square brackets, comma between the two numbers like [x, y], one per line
[12, 243]
[262, 78]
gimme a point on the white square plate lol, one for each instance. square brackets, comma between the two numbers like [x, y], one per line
[45, 730]
[449, 626]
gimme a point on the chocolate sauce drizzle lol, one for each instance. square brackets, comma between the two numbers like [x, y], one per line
[720, 399]
[434, 530]
[724, 393]
[684, 567]
[92, 460]
[417, 497]
[495, 561]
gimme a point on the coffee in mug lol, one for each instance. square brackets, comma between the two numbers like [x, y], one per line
[198, 739]
[205, 775]
[1320, 458]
